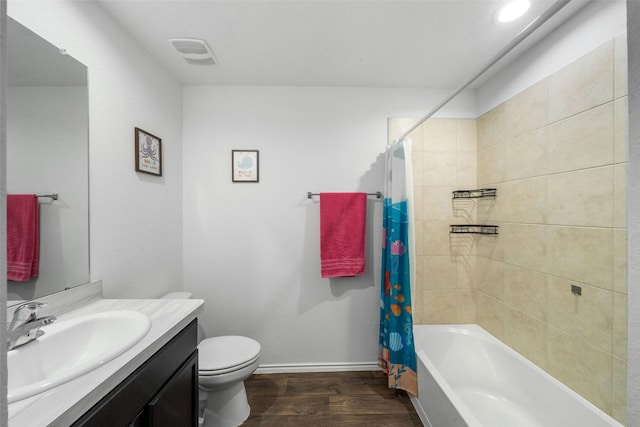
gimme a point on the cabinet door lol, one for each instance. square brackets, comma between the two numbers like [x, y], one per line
[177, 402]
[141, 420]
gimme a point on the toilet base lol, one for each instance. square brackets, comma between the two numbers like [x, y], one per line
[228, 407]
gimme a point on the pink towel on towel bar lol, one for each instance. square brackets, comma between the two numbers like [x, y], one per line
[23, 239]
[343, 219]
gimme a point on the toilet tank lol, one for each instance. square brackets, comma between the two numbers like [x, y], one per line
[186, 295]
[177, 295]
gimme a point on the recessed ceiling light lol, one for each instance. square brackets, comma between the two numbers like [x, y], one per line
[512, 10]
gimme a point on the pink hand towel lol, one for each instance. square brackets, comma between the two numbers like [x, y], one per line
[23, 239]
[343, 218]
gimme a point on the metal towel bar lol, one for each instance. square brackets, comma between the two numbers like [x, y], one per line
[378, 194]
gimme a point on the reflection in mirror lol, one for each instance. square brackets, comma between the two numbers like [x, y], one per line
[47, 152]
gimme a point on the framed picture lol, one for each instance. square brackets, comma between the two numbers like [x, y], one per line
[244, 166]
[148, 153]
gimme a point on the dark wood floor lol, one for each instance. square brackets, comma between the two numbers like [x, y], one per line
[327, 399]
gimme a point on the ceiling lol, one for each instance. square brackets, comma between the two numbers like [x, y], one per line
[361, 43]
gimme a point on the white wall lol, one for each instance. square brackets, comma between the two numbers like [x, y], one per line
[47, 145]
[252, 250]
[595, 24]
[135, 219]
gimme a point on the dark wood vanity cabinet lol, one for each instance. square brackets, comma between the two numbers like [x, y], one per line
[162, 392]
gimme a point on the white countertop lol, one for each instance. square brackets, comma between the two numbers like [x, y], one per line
[64, 404]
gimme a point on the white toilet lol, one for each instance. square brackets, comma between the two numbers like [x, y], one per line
[223, 365]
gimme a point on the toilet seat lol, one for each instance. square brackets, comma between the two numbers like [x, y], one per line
[209, 373]
[220, 355]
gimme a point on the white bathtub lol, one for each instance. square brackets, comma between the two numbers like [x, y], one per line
[467, 377]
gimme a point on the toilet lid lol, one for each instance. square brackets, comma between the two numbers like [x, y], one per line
[225, 352]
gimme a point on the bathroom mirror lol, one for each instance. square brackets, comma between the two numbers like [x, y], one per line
[48, 153]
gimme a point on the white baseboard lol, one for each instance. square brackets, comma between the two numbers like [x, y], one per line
[317, 367]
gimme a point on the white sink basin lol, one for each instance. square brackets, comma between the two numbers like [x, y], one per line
[71, 348]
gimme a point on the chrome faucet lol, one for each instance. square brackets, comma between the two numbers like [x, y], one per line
[25, 324]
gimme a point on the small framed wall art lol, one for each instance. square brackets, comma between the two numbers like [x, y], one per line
[245, 165]
[148, 153]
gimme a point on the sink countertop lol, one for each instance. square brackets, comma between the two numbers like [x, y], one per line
[63, 405]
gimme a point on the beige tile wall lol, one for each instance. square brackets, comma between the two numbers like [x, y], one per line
[557, 155]
[444, 159]
[556, 152]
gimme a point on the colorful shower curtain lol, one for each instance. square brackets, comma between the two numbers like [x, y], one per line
[397, 356]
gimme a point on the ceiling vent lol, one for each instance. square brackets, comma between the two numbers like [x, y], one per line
[194, 51]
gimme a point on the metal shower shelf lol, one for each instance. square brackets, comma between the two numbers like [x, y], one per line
[474, 194]
[473, 229]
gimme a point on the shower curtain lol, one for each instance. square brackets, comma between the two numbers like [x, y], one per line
[397, 356]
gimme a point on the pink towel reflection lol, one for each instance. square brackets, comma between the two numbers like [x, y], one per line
[23, 239]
